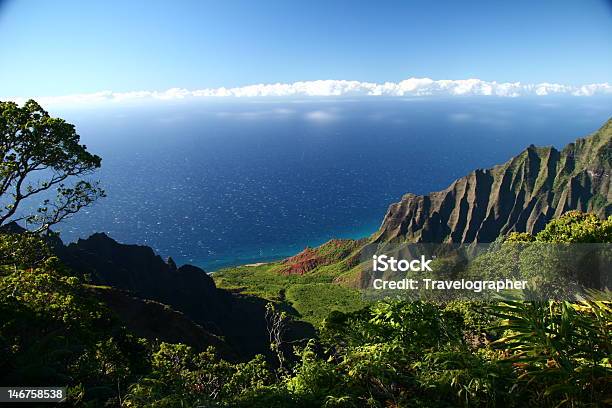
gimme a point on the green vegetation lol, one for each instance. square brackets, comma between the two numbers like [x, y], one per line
[53, 332]
[304, 283]
[385, 354]
[179, 377]
[311, 296]
[263, 280]
[577, 227]
[315, 301]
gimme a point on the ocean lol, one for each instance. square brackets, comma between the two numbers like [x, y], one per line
[222, 182]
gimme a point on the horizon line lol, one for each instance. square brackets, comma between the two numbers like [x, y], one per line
[416, 87]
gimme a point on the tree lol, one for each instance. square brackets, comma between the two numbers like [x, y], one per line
[40, 153]
[276, 323]
[577, 227]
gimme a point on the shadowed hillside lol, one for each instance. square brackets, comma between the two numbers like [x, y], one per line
[238, 319]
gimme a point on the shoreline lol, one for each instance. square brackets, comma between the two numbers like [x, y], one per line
[212, 266]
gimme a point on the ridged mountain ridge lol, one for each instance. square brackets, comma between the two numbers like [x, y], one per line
[522, 194]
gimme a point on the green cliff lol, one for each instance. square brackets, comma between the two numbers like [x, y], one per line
[523, 194]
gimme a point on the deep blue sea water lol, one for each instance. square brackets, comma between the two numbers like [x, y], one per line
[221, 182]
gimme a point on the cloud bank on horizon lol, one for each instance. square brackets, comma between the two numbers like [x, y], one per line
[412, 87]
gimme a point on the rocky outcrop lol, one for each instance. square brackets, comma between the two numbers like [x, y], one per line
[139, 270]
[522, 194]
[238, 319]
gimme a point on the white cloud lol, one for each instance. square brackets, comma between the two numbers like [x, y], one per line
[592, 89]
[545, 88]
[412, 87]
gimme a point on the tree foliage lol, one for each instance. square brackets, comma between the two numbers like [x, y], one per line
[577, 227]
[38, 154]
[22, 251]
[52, 331]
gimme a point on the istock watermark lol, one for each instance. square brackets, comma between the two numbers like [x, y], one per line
[478, 271]
[476, 286]
[383, 263]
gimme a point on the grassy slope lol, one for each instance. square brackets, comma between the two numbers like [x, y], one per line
[311, 295]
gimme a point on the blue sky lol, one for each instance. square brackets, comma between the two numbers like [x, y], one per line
[64, 47]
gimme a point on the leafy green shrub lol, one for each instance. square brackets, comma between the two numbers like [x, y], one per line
[577, 227]
[561, 350]
[181, 377]
[464, 378]
[53, 332]
[22, 251]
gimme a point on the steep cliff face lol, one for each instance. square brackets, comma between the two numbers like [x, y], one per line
[138, 269]
[522, 194]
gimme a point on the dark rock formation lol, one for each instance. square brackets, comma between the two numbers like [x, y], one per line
[139, 270]
[12, 228]
[522, 194]
[238, 319]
